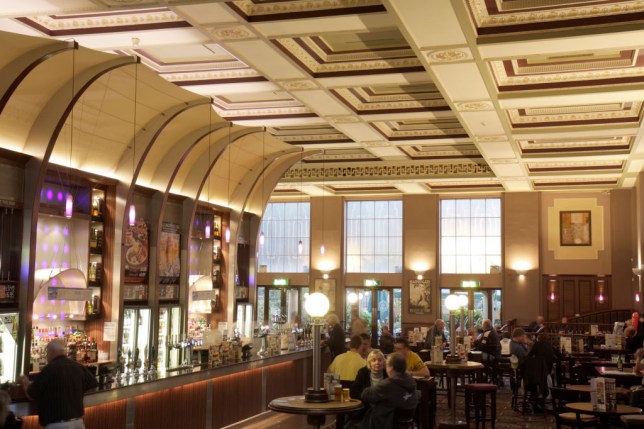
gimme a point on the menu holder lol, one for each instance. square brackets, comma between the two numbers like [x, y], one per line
[467, 341]
[438, 341]
[602, 393]
[330, 379]
[594, 329]
[566, 344]
[609, 341]
[437, 355]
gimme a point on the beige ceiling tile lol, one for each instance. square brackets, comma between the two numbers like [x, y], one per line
[355, 23]
[278, 122]
[513, 169]
[110, 41]
[12, 26]
[517, 185]
[232, 88]
[461, 81]
[419, 15]
[634, 166]
[629, 182]
[408, 116]
[359, 132]
[208, 13]
[266, 59]
[46, 7]
[483, 123]
[496, 150]
[322, 102]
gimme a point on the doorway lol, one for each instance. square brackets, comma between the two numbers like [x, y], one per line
[280, 304]
[482, 304]
[378, 306]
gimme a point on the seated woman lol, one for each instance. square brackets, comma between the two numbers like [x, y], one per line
[370, 375]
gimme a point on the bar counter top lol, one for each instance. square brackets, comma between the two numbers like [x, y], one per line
[169, 380]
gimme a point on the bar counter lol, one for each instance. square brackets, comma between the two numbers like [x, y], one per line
[200, 398]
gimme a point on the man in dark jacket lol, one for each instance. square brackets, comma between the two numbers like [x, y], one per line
[397, 392]
[544, 348]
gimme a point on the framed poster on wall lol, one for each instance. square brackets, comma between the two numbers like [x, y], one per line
[574, 228]
[327, 287]
[420, 297]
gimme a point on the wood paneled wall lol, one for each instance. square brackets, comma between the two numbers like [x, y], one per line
[236, 397]
[574, 295]
[179, 407]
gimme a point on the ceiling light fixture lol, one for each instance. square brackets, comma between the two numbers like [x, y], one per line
[322, 248]
[262, 238]
[132, 211]
[227, 231]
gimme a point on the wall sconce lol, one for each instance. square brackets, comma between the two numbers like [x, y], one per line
[325, 276]
[521, 273]
[600, 298]
[419, 268]
[552, 288]
[637, 271]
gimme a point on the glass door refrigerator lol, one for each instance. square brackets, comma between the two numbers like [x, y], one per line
[169, 337]
[8, 346]
[136, 337]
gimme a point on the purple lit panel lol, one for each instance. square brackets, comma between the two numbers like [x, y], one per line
[50, 194]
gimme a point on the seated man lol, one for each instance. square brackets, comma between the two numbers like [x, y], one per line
[519, 345]
[535, 325]
[438, 330]
[397, 392]
[365, 347]
[415, 365]
[349, 363]
[505, 344]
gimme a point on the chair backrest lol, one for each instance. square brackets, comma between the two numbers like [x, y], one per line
[535, 371]
[560, 397]
[404, 418]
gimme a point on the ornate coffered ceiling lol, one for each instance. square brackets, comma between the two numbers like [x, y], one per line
[440, 96]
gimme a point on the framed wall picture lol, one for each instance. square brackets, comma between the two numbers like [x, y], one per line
[420, 296]
[327, 287]
[575, 228]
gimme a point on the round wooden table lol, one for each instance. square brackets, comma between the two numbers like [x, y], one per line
[453, 372]
[315, 411]
[604, 416]
[585, 388]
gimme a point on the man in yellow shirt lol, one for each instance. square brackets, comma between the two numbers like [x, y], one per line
[348, 363]
[415, 365]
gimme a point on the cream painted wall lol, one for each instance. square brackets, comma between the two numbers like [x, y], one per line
[420, 246]
[521, 245]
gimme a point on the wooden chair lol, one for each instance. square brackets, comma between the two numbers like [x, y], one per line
[563, 417]
[535, 383]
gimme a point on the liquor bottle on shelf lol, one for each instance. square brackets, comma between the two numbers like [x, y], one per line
[96, 203]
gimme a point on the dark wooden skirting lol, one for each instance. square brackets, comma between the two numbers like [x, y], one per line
[236, 397]
[180, 407]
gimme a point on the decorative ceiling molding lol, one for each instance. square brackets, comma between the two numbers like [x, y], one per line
[350, 54]
[378, 99]
[491, 139]
[414, 171]
[455, 55]
[105, 22]
[420, 129]
[567, 167]
[298, 85]
[345, 119]
[595, 114]
[474, 106]
[376, 143]
[621, 144]
[267, 108]
[237, 32]
[560, 183]
[576, 69]
[277, 10]
[309, 134]
[441, 152]
[461, 186]
[512, 16]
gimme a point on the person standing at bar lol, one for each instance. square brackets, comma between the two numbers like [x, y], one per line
[59, 389]
[336, 336]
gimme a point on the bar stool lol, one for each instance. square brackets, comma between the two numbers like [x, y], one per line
[476, 397]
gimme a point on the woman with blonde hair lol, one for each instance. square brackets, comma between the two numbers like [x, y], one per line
[370, 375]
[7, 418]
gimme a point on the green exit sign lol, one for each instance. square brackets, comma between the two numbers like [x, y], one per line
[280, 282]
[372, 282]
[470, 283]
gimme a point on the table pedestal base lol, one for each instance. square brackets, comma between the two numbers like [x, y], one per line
[315, 421]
